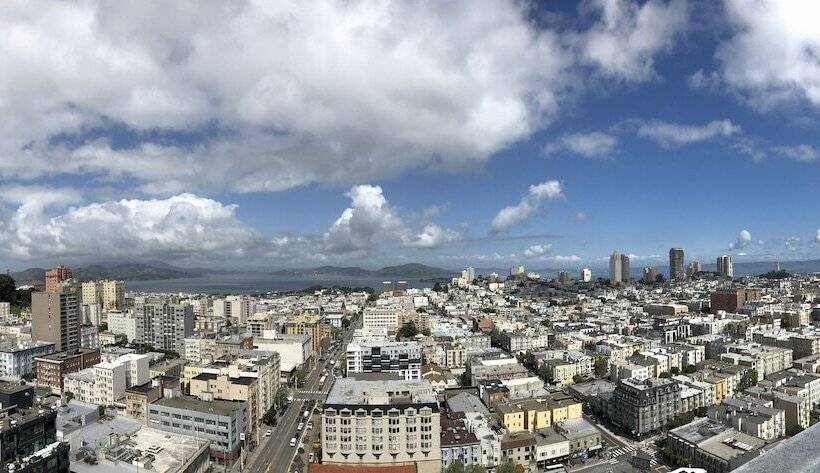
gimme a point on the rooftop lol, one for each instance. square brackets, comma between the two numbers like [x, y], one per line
[192, 403]
[383, 392]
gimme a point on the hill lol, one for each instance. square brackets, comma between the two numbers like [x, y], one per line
[123, 271]
[410, 270]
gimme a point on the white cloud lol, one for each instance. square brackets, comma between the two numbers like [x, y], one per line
[802, 153]
[536, 251]
[272, 96]
[817, 237]
[628, 36]
[511, 216]
[567, 259]
[581, 217]
[589, 145]
[766, 70]
[432, 236]
[669, 134]
[178, 226]
[744, 239]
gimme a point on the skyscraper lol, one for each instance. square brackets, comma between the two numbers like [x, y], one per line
[55, 316]
[625, 268]
[586, 275]
[615, 268]
[724, 266]
[676, 270]
[55, 276]
[649, 275]
[692, 268]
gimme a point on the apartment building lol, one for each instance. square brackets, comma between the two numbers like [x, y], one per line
[312, 325]
[402, 358]
[165, 325]
[17, 359]
[382, 423]
[223, 387]
[534, 414]
[51, 369]
[55, 316]
[642, 407]
[200, 349]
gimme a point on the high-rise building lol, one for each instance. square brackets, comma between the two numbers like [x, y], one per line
[692, 268]
[91, 293]
[724, 266]
[468, 274]
[676, 269]
[517, 271]
[55, 276]
[625, 268]
[164, 325]
[586, 275]
[55, 316]
[113, 295]
[615, 268]
[649, 275]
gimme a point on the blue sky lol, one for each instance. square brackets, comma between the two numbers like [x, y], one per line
[540, 133]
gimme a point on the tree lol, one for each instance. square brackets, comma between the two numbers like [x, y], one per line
[660, 278]
[101, 410]
[475, 468]
[345, 322]
[407, 330]
[748, 380]
[8, 289]
[674, 370]
[601, 367]
[507, 467]
[689, 369]
[269, 418]
[281, 397]
[301, 374]
[577, 379]
[455, 467]
[665, 374]
[68, 396]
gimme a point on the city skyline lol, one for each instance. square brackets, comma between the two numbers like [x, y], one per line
[410, 134]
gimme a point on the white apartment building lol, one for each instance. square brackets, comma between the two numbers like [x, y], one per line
[402, 358]
[5, 309]
[382, 423]
[137, 367]
[110, 295]
[200, 349]
[386, 317]
[109, 382]
[17, 359]
[126, 323]
[236, 307]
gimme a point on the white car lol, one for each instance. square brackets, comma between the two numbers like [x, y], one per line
[293, 442]
[300, 426]
[309, 425]
[268, 433]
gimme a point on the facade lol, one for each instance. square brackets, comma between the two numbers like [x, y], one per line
[104, 384]
[227, 388]
[676, 270]
[402, 358]
[17, 360]
[615, 268]
[731, 300]
[642, 407]
[55, 316]
[724, 266]
[51, 369]
[381, 317]
[55, 276]
[165, 325]
[126, 323]
[137, 399]
[586, 275]
[218, 422]
[382, 423]
[200, 349]
[25, 432]
[312, 325]
[534, 414]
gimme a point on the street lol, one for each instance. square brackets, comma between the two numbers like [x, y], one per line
[274, 454]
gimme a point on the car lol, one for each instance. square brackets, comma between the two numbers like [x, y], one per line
[310, 457]
[293, 442]
[300, 426]
[310, 425]
[268, 433]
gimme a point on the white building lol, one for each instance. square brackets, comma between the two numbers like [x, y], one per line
[16, 359]
[402, 358]
[5, 310]
[586, 275]
[126, 323]
[137, 368]
[387, 317]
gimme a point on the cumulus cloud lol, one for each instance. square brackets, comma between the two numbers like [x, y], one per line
[271, 96]
[581, 217]
[531, 203]
[744, 239]
[432, 236]
[566, 258]
[671, 134]
[536, 251]
[177, 226]
[624, 42]
[771, 72]
[802, 153]
[589, 145]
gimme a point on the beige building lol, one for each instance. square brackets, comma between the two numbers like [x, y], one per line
[209, 386]
[382, 423]
[55, 316]
[311, 325]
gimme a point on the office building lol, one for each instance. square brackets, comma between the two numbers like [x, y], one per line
[586, 275]
[650, 276]
[730, 300]
[55, 316]
[376, 356]
[676, 269]
[55, 276]
[724, 266]
[219, 422]
[625, 269]
[615, 268]
[382, 423]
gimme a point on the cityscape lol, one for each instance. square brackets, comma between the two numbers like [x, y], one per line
[382, 236]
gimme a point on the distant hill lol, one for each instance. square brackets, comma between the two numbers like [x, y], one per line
[123, 271]
[410, 270]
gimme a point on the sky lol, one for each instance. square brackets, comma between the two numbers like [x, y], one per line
[485, 133]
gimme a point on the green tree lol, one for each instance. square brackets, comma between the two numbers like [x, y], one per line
[748, 380]
[601, 367]
[281, 397]
[665, 374]
[345, 322]
[577, 379]
[455, 467]
[507, 467]
[674, 370]
[689, 369]
[101, 410]
[475, 468]
[8, 289]
[301, 374]
[407, 330]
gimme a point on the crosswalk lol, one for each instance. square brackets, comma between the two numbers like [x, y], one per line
[630, 449]
[309, 393]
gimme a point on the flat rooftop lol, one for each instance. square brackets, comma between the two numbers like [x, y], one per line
[357, 392]
[224, 408]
